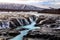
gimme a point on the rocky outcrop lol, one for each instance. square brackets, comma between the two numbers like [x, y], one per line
[41, 37]
[40, 18]
[38, 34]
[8, 34]
[48, 21]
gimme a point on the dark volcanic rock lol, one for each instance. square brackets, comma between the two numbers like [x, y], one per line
[39, 36]
[33, 17]
[42, 36]
[15, 22]
[22, 29]
[45, 20]
[41, 17]
[12, 25]
[49, 21]
[28, 20]
[13, 34]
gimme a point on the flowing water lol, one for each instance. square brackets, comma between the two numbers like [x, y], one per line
[25, 32]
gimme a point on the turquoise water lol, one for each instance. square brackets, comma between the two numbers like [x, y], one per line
[20, 36]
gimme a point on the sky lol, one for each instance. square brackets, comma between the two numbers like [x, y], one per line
[39, 3]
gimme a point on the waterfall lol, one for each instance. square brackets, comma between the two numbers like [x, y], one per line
[18, 21]
[14, 20]
[21, 22]
[26, 21]
[25, 32]
[33, 17]
[31, 20]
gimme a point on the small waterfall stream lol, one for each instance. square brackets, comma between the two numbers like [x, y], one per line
[30, 27]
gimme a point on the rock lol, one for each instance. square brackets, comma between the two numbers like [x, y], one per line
[48, 21]
[12, 26]
[28, 20]
[22, 29]
[33, 17]
[44, 20]
[40, 18]
[15, 22]
[54, 25]
[13, 34]
[24, 22]
[58, 18]
[39, 36]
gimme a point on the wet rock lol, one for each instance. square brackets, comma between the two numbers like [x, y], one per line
[37, 25]
[48, 21]
[28, 20]
[21, 21]
[22, 29]
[33, 17]
[24, 22]
[15, 22]
[13, 34]
[40, 18]
[45, 20]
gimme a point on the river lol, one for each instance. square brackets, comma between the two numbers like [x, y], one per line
[25, 32]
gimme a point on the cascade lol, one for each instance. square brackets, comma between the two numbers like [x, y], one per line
[21, 22]
[14, 20]
[18, 21]
[27, 22]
